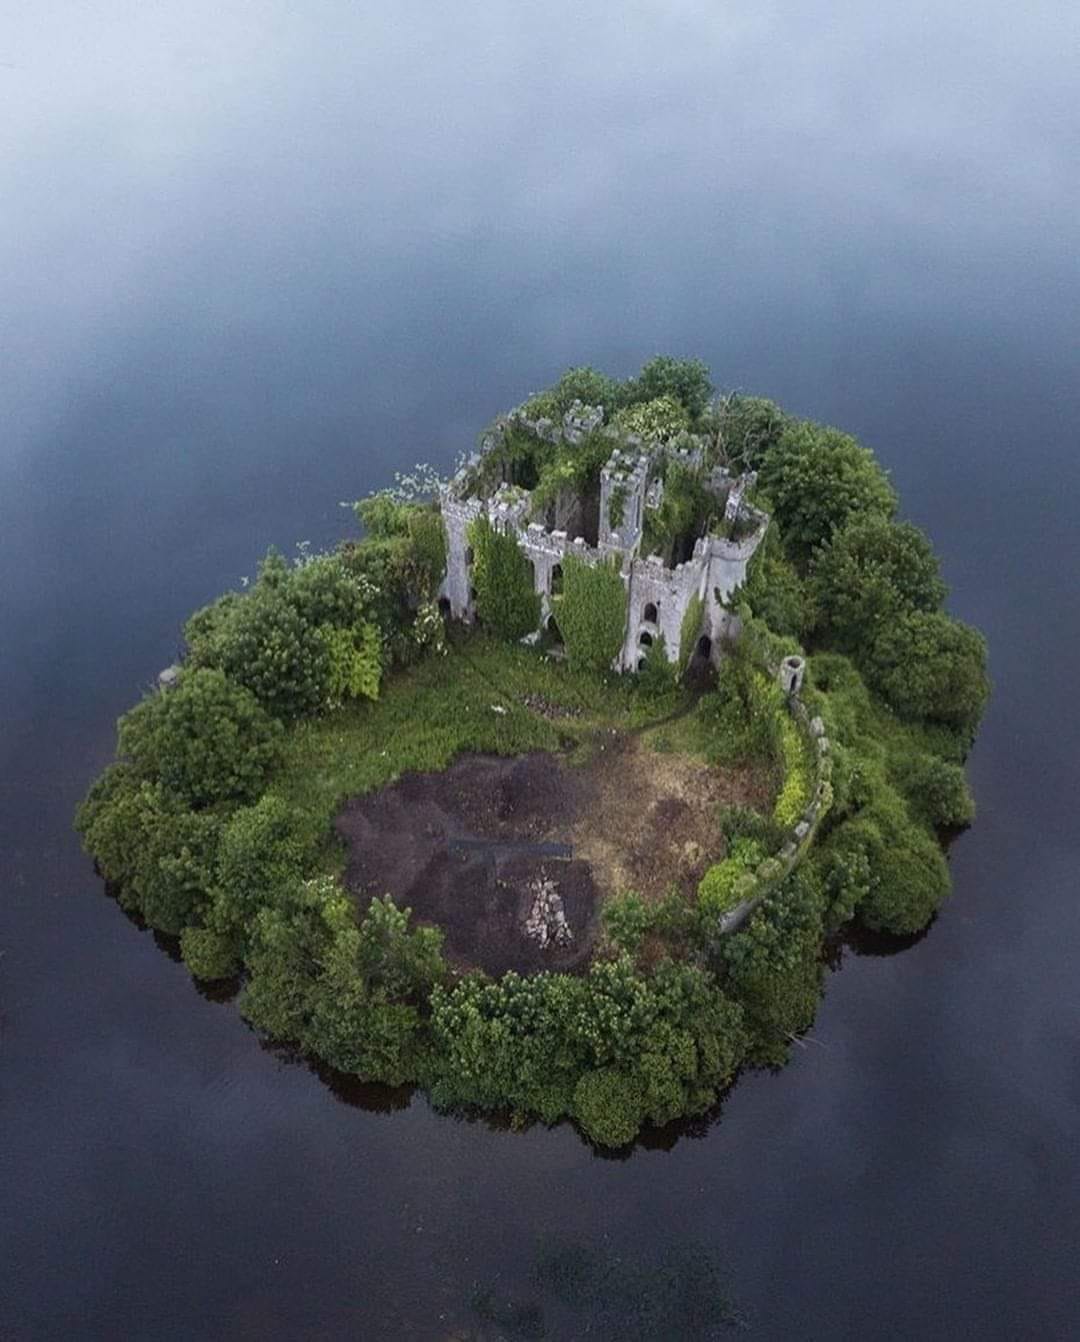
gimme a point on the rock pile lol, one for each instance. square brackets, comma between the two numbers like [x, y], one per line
[546, 922]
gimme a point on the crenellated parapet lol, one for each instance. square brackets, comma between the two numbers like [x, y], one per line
[658, 597]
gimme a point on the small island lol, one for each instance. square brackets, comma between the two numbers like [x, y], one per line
[552, 793]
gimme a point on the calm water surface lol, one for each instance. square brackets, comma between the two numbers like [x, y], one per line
[254, 259]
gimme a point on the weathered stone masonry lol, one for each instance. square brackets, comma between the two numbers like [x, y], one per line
[658, 597]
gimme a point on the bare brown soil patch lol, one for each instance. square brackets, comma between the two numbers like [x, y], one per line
[635, 820]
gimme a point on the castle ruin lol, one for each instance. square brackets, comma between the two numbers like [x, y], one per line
[609, 528]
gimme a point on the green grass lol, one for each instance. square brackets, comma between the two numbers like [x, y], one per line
[427, 714]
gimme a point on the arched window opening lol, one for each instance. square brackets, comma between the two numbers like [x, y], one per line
[650, 614]
[556, 580]
[646, 639]
[704, 646]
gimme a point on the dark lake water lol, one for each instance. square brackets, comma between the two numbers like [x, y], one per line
[253, 260]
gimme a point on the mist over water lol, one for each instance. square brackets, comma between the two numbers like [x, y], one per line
[255, 258]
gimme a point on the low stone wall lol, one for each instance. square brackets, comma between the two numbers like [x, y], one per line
[755, 885]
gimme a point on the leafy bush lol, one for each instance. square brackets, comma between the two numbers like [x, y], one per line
[936, 790]
[576, 384]
[505, 598]
[818, 479]
[798, 780]
[609, 1105]
[685, 380]
[158, 854]
[659, 676]
[743, 715]
[267, 646]
[774, 964]
[354, 662]
[207, 739]
[867, 574]
[627, 920]
[591, 612]
[260, 862]
[716, 891]
[208, 954]
[774, 590]
[653, 421]
[930, 666]
[747, 427]
[741, 823]
[402, 961]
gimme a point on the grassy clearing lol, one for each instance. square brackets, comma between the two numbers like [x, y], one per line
[429, 713]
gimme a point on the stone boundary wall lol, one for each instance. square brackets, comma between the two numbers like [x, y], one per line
[755, 885]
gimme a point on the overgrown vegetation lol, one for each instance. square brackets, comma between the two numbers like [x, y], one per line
[331, 676]
[591, 612]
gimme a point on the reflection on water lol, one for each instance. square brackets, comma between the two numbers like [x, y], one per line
[680, 1293]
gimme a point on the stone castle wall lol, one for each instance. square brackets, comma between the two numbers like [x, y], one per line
[657, 597]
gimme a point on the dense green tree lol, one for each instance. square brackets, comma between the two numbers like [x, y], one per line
[687, 380]
[292, 939]
[158, 854]
[928, 665]
[208, 954]
[609, 1105]
[207, 739]
[817, 479]
[774, 590]
[576, 384]
[936, 790]
[746, 427]
[506, 599]
[591, 613]
[403, 961]
[260, 861]
[774, 964]
[868, 573]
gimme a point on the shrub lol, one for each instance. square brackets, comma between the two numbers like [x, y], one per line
[653, 421]
[818, 479]
[743, 715]
[774, 591]
[354, 662]
[591, 613]
[909, 877]
[659, 676]
[796, 788]
[930, 666]
[685, 380]
[156, 852]
[936, 790]
[576, 384]
[271, 649]
[207, 739]
[716, 891]
[867, 574]
[609, 1105]
[260, 862]
[208, 954]
[774, 964]
[739, 823]
[505, 598]
[747, 427]
[627, 920]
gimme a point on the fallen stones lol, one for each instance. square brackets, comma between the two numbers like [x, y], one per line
[546, 920]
